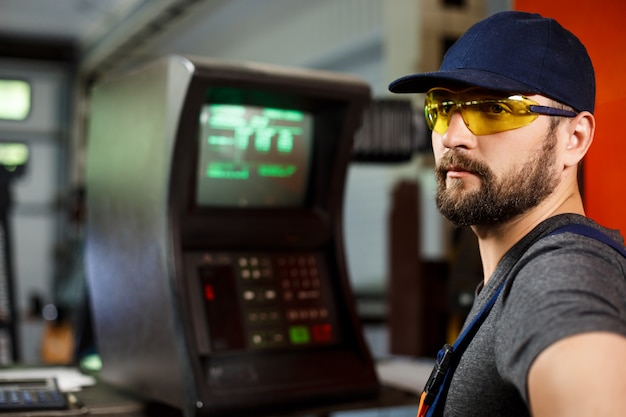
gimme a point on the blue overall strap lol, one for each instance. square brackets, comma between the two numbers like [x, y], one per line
[448, 357]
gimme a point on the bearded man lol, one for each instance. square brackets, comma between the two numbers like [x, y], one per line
[511, 113]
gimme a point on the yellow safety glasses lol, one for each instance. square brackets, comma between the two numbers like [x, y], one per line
[483, 112]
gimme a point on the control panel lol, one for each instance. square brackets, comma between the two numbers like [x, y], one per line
[261, 300]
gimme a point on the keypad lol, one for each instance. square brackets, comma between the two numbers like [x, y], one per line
[283, 300]
[30, 395]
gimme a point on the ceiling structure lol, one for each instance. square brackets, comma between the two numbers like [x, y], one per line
[103, 37]
[79, 21]
[101, 34]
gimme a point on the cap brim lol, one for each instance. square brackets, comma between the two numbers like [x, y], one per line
[421, 83]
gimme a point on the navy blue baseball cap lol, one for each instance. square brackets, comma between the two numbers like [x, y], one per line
[514, 52]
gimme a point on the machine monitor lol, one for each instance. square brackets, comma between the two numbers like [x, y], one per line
[215, 253]
[251, 156]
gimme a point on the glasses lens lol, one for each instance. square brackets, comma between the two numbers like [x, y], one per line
[481, 113]
[439, 107]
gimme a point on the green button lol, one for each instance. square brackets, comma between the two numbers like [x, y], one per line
[299, 335]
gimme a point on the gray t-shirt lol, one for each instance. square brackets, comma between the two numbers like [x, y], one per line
[562, 285]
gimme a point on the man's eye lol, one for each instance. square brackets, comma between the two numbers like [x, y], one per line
[494, 108]
[446, 107]
[497, 108]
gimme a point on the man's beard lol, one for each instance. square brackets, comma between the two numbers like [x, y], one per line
[496, 201]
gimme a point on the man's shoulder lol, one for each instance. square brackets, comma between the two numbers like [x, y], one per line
[572, 230]
[563, 285]
[567, 255]
[568, 230]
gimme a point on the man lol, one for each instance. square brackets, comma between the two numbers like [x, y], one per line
[511, 110]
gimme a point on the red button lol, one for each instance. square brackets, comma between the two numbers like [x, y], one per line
[209, 294]
[322, 332]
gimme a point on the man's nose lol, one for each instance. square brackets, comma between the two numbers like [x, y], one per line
[457, 134]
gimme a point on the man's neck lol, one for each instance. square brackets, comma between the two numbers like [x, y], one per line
[495, 240]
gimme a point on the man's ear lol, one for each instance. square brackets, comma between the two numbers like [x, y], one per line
[580, 131]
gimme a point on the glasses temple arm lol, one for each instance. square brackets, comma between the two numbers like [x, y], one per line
[551, 111]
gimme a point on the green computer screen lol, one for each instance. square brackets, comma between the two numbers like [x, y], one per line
[252, 156]
[15, 99]
[13, 155]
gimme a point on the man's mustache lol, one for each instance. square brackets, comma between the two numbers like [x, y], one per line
[460, 162]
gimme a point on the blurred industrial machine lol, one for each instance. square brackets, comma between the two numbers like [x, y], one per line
[215, 254]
